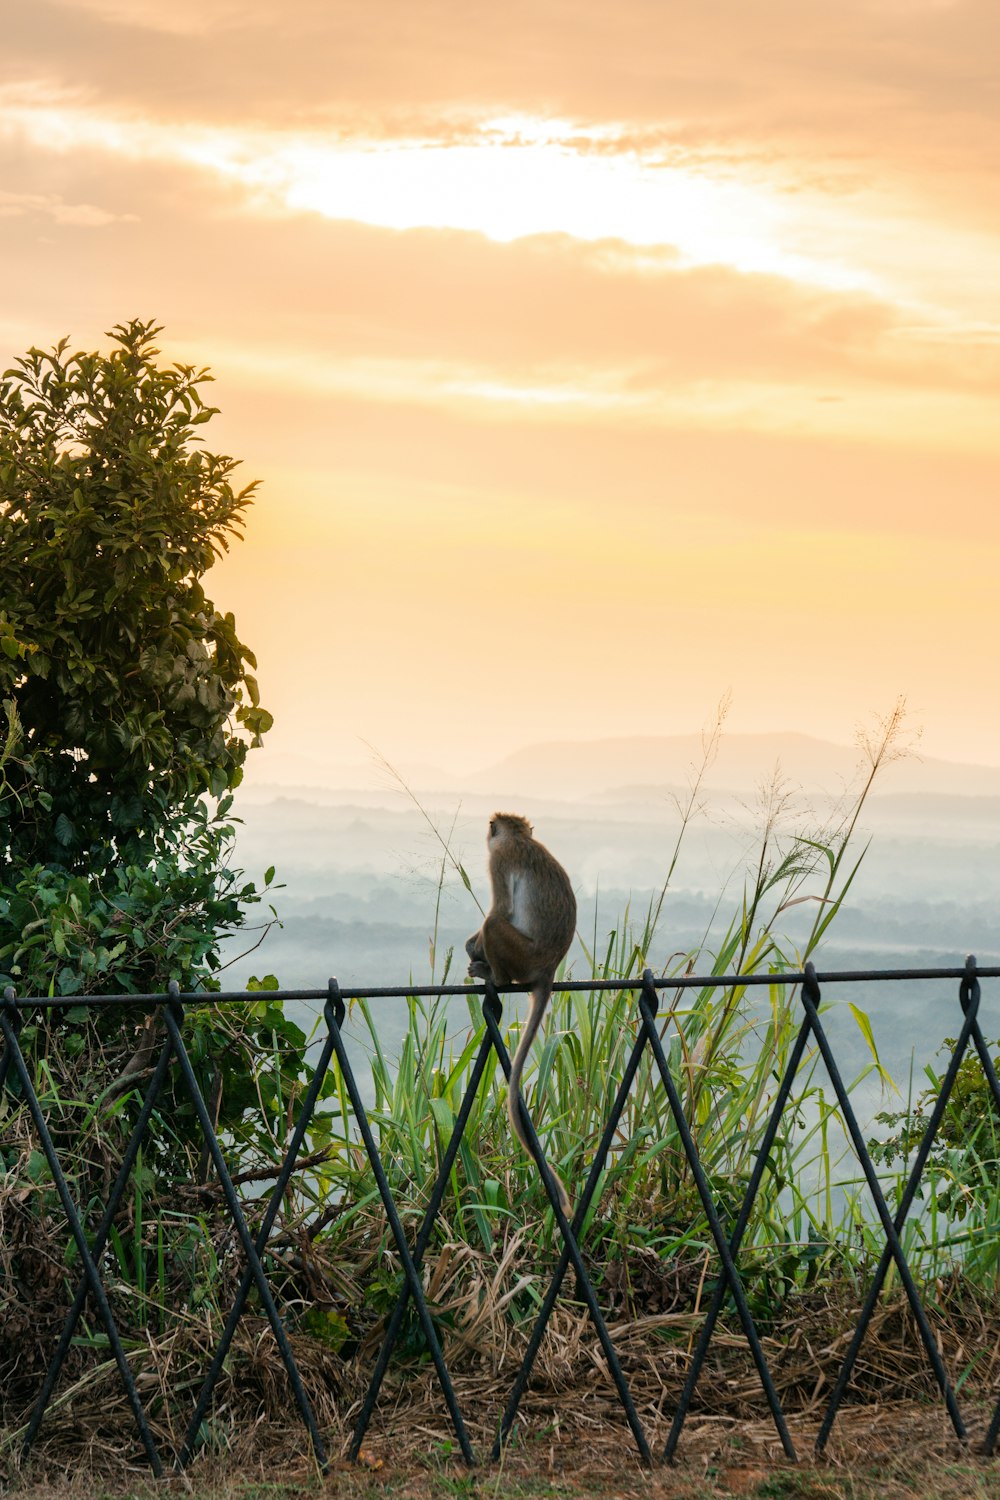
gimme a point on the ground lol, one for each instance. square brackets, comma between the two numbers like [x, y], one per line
[904, 1451]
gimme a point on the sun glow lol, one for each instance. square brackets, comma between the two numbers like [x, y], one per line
[509, 190]
[511, 177]
[507, 179]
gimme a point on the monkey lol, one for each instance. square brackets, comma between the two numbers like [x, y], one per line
[524, 937]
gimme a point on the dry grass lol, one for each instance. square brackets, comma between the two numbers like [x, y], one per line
[894, 1440]
[898, 1452]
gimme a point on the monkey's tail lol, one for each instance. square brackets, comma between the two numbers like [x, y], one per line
[539, 1000]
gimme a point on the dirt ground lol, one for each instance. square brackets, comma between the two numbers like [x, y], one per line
[892, 1439]
[890, 1452]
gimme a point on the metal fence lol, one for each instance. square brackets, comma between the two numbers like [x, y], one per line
[170, 1009]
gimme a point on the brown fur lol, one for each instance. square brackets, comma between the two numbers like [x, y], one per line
[525, 936]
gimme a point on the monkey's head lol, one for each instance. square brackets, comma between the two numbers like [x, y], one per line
[508, 826]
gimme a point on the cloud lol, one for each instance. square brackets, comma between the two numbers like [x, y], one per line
[184, 18]
[881, 328]
[80, 215]
[516, 178]
[699, 474]
[548, 308]
[857, 145]
[543, 330]
[866, 73]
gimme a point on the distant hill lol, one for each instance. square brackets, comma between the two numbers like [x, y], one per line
[574, 769]
[625, 769]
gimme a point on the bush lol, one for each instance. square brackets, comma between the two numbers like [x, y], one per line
[127, 707]
[126, 694]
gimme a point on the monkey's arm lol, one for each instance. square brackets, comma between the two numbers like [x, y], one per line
[504, 890]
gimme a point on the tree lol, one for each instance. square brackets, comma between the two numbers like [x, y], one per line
[126, 694]
[127, 706]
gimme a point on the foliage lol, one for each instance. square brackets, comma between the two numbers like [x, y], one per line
[962, 1176]
[125, 692]
[131, 929]
[127, 708]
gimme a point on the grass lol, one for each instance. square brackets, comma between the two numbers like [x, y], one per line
[726, 1052]
[898, 1457]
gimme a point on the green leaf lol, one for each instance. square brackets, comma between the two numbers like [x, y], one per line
[64, 830]
[37, 1167]
[864, 1025]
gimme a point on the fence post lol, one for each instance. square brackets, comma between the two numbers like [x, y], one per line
[647, 1006]
[100, 1243]
[10, 1027]
[334, 1014]
[173, 1012]
[572, 1250]
[810, 1000]
[423, 1240]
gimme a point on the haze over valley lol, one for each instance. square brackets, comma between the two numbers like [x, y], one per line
[361, 865]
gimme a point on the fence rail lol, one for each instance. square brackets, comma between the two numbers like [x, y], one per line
[170, 1007]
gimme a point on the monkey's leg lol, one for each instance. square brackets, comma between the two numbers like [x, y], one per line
[478, 966]
[510, 954]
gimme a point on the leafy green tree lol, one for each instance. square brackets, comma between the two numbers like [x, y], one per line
[126, 694]
[128, 708]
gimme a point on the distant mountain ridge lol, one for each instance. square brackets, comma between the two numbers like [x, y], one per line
[631, 767]
[600, 767]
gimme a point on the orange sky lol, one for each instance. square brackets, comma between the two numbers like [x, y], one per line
[596, 359]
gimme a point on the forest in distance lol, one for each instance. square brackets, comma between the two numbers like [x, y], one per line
[370, 896]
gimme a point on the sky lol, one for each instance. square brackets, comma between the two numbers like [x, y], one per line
[596, 361]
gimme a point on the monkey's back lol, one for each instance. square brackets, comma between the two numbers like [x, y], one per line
[543, 903]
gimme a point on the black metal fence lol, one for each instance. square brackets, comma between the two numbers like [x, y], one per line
[170, 1009]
